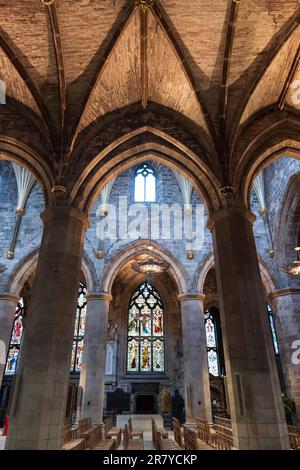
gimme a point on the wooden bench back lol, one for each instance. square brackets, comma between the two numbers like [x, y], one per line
[190, 438]
[94, 436]
[203, 430]
[70, 434]
[125, 437]
[177, 431]
[130, 425]
[84, 424]
[226, 423]
[224, 438]
[294, 436]
[108, 424]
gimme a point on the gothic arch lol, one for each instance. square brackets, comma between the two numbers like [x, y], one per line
[13, 150]
[267, 276]
[250, 166]
[162, 147]
[27, 266]
[139, 247]
[290, 204]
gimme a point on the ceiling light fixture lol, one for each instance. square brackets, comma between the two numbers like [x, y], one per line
[150, 266]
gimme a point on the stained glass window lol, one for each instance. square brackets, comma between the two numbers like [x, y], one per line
[17, 333]
[273, 330]
[15, 340]
[144, 189]
[145, 351]
[211, 343]
[76, 359]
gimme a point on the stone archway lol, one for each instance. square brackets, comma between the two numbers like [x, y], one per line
[139, 247]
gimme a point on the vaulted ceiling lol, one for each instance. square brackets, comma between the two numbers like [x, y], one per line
[218, 63]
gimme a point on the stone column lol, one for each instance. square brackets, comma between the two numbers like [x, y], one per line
[286, 307]
[8, 304]
[39, 399]
[92, 374]
[258, 420]
[196, 377]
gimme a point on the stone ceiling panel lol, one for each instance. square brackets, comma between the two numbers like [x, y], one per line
[15, 86]
[84, 25]
[168, 82]
[257, 22]
[272, 83]
[120, 81]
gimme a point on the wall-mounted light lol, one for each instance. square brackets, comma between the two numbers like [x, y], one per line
[47, 2]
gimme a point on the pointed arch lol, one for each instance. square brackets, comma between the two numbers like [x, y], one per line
[109, 163]
[176, 269]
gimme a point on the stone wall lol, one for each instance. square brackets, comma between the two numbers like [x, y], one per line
[168, 192]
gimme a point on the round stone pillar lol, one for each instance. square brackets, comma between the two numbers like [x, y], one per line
[258, 420]
[92, 374]
[286, 306]
[8, 303]
[196, 377]
[38, 407]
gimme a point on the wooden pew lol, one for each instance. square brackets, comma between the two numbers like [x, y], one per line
[223, 436]
[178, 432]
[294, 436]
[109, 430]
[131, 444]
[95, 440]
[85, 427]
[161, 440]
[225, 422]
[191, 440]
[72, 439]
[205, 433]
[134, 432]
[155, 429]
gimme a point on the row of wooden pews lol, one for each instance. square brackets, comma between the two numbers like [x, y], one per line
[199, 435]
[85, 436]
[161, 440]
[129, 442]
[192, 436]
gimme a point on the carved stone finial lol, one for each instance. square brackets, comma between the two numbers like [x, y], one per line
[263, 212]
[144, 4]
[47, 2]
[227, 191]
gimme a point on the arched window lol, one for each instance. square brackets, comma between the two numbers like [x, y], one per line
[15, 339]
[145, 184]
[145, 351]
[76, 360]
[211, 343]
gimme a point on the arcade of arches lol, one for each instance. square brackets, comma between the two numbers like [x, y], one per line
[150, 210]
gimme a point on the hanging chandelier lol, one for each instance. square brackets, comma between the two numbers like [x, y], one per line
[294, 268]
[150, 266]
